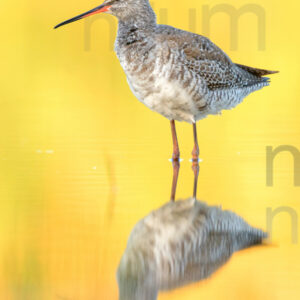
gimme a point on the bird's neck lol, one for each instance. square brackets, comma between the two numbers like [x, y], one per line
[143, 18]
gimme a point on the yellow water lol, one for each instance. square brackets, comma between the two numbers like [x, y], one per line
[81, 160]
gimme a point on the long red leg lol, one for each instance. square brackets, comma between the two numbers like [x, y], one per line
[175, 160]
[195, 168]
[195, 161]
[176, 153]
[195, 152]
[176, 167]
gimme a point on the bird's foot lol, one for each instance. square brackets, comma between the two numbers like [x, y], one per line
[195, 154]
[176, 156]
[196, 160]
[176, 160]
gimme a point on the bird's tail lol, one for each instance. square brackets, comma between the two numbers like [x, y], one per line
[250, 238]
[255, 71]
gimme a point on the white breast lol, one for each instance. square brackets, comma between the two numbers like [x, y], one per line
[163, 96]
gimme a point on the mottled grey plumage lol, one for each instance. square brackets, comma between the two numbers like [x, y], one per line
[179, 74]
[181, 242]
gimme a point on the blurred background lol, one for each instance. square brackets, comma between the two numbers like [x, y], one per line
[81, 160]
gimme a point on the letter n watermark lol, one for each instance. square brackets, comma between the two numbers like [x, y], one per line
[88, 23]
[270, 156]
[294, 220]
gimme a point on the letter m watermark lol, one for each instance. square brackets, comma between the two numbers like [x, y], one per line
[234, 15]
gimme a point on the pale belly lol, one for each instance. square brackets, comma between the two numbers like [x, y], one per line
[165, 97]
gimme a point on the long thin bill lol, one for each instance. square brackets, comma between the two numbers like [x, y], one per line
[99, 9]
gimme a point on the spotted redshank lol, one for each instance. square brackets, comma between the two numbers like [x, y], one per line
[179, 74]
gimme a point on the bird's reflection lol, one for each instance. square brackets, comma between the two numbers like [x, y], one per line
[179, 243]
[176, 167]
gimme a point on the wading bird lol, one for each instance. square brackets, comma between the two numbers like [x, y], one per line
[181, 75]
[179, 243]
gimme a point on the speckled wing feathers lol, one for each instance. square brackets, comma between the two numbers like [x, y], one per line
[208, 61]
[255, 71]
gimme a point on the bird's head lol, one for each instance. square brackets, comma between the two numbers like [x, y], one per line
[122, 9]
